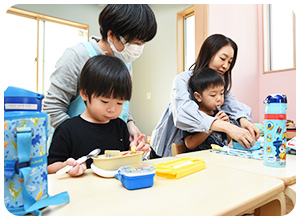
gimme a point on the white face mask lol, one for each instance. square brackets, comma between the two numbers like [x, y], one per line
[130, 53]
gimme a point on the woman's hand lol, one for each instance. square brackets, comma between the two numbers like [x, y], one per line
[254, 131]
[241, 135]
[78, 169]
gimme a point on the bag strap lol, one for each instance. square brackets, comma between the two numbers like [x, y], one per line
[77, 106]
[89, 47]
[24, 136]
[24, 142]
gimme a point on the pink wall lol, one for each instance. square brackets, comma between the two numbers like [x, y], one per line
[242, 23]
[283, 82]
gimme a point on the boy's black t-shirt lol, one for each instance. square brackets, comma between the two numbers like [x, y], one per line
[76, 137]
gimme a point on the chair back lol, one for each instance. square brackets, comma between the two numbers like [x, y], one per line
[178, 149]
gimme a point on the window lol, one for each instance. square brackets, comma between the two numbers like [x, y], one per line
[189, 41]
[19, 60]
[36, 43]
[191, 32]
[279, 38]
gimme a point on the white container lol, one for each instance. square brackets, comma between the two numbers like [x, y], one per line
[114, 163]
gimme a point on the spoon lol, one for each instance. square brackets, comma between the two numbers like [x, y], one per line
[79, 161]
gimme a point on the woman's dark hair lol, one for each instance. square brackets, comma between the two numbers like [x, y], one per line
[209, 48]
[135, 21]
[205, 78]
[106, 76]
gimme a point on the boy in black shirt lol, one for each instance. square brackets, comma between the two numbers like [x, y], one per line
[207, 88]
[105, 84]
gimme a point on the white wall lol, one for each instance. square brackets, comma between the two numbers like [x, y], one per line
[155, 70]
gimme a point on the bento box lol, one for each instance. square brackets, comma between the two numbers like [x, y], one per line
[113, 160]
[136, 176]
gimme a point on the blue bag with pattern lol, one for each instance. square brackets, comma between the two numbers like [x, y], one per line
[26, 129]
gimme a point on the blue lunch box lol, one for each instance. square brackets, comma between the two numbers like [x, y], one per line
[136, 176]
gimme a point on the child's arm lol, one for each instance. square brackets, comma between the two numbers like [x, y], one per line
[77, 170]
[195, 140]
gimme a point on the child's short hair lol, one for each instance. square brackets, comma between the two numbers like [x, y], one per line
[135, 20]
[106, 76]
[205, 78]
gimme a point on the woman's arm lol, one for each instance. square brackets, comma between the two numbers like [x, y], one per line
[64, 84]
[186, 115]
[240, 114]
[235, 109]
[241, 135]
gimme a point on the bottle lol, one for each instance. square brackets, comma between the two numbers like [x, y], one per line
[275, 130]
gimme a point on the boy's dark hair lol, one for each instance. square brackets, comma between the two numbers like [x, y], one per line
[205, 78]
[136, 21]
[106, 76]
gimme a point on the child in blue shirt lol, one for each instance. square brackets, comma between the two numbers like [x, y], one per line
[105, 84]
[207, 89]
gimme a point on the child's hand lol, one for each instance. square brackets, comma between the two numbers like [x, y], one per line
[221, 115]
[78, 169]
[141, 144]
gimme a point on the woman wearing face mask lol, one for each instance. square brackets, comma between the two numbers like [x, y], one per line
[218, 53]
[124, 30]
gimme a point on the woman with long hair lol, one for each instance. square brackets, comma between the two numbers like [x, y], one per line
[219, 53]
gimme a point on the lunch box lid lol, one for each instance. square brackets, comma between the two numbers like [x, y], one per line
[136, 170]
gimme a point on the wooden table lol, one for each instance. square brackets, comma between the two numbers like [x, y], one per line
[216, 190]
[286, 174]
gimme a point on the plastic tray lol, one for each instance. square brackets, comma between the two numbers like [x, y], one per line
[136, 176]
[179, 168]
[114, 163]
[103, 173]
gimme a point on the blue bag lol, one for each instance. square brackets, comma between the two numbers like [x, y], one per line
[77, 106]
[26, 129]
